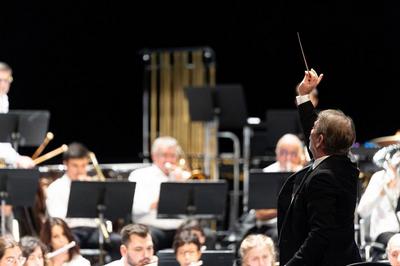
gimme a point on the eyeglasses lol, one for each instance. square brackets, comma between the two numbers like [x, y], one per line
[11, 261]
[284, 152]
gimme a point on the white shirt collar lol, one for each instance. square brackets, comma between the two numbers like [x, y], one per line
[318, 161]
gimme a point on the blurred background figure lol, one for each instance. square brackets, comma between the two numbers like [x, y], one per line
[289, 155]
[257, 250]
[379, 203]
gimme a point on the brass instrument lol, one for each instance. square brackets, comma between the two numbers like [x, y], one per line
[39, 150]
[184, 171]
[96, 167]
[51, 154]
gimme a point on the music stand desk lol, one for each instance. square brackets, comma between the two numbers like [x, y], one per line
[17, 188]
[264, 188]
[197, 199]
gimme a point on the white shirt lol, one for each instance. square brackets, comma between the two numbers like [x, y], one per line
[147, 191]
[77, 260]
[379, 207]
[319, 161]
[8, 153]
[4, 104]
[275, 167]
[57, 203]
[116, 263]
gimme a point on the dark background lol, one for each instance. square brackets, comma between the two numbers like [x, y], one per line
[80, 60]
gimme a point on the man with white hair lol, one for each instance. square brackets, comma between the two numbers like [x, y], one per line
[165, 153]
[393, 250]
[289, 155]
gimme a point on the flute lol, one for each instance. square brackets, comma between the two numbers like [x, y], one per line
[61, 250]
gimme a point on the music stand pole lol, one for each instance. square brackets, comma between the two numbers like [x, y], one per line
[3, 195]
[101, 208]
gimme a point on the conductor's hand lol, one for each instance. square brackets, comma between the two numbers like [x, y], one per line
[309, 82]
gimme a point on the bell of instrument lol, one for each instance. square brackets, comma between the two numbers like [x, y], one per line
[197, 174]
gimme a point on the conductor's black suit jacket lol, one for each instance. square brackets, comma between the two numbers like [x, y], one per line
[316, 210]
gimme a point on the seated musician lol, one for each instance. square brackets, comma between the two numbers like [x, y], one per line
[187, 248]
[76, 160]
[8, 155]
[289, 158]
[380, 200]
[289, 155]
[393, 250]
[10, 252]
[136, 247]
[56, 234]
[165, 153]
[33, 250]
[257, 250]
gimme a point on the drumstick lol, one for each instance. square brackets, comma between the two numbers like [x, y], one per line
[60, 250]
[47, 139]
[302, 51]
[51, 154]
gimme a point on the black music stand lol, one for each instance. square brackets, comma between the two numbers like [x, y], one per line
[32, 126]
[196, 199]
[264, 189]
[111, 199]
[8, 128]
[17, 188]
[226, 101]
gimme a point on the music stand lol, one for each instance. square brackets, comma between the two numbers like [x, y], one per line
[32, 126]
[226, 101]
[17, 188]
[8, 127]
[110, 199]
[264, 189]
[197, 199]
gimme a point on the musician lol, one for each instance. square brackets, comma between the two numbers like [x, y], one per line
[289, 158]
[187, 248]
[56, 234]
[194, 226]
[136, 248]
[289, 155]
[33, 250]
[76, 161]
[393, 250]
[8, 155]
[165, 153]
[10, 252]
[257, 250]
[380, 200]
[316, 205]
